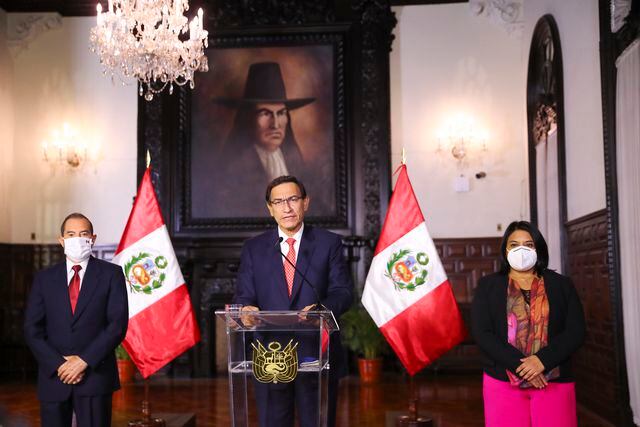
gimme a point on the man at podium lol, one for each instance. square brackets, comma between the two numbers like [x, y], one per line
[293, 267]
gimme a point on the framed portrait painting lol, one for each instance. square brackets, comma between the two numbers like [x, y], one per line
[268, 106]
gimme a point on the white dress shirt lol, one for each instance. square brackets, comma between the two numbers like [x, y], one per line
[272, 162]
[70, 271]
[284, 246]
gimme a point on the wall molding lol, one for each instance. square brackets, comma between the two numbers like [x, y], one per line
[507, 14]
[24, 29]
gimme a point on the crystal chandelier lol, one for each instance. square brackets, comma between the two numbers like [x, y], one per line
[146, 39]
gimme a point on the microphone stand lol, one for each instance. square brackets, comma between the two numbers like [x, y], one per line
[317, 306]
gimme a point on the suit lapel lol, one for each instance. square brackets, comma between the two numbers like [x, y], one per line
[276, 262]
[307, 246]
[89, 285]
[61, 287]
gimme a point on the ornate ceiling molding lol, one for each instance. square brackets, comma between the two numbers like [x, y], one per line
[23, 29]
[507, 14]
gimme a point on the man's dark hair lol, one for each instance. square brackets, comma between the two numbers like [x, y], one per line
[542, 251]
[75, 215]
[284, 179]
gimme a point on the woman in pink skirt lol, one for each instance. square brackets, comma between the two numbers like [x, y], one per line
[528, 321]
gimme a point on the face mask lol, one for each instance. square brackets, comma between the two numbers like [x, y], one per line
[522, 258]
[77, 249]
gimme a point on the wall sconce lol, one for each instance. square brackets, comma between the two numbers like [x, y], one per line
[462, 140]
[65, 146]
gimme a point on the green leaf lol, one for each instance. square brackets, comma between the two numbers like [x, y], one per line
[121, 353]
[361, 334]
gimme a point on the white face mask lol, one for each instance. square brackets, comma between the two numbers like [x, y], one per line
[522, 258]
[77, 249]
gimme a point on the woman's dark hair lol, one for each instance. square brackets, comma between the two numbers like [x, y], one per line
[281, 180]
[542, 251]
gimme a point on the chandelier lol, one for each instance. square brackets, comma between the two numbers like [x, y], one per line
[147, 40]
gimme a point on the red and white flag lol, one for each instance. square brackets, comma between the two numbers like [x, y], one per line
[407, 292]
[162, 324]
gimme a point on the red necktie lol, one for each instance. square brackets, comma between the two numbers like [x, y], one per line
[289, 271]
[74, 287]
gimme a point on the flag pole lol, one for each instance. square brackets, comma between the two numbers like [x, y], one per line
[146, 407]
[413, 419]
[147, 420]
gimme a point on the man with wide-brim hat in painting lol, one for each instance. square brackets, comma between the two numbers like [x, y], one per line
[261, 145]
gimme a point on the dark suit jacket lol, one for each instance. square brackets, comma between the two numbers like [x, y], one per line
[93, 332]
[566, 328]
[261, 281]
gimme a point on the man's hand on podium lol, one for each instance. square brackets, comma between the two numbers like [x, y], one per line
[303, 315]
[246, 319]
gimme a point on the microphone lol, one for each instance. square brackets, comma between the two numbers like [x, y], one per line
[318, 306]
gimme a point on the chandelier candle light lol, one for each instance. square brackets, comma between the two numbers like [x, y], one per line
[142, 39]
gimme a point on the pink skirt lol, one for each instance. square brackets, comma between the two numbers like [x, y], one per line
[509, 406]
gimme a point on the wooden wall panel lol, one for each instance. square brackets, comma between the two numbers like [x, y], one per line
[594, 365]
[466, 261]
[18, 265]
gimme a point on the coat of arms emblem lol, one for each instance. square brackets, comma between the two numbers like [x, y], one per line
[406, 270]
[144, 272]
[275, 365]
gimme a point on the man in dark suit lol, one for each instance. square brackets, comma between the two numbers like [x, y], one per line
[76, 315]
[266, 281]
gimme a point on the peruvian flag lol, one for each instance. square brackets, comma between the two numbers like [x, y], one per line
[407, 292]
[162, 324]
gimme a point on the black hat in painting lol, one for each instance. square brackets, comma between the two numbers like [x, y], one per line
[264, 86]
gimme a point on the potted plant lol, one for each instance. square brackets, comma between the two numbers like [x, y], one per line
[126, 368]
[362, 336]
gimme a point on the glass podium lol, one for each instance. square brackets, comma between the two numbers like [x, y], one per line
[274, 348]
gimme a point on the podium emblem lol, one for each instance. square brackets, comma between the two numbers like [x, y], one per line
[275, 365]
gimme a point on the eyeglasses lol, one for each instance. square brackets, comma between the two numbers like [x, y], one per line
[280, 203]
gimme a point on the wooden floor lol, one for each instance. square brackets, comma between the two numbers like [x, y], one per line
[452, 401]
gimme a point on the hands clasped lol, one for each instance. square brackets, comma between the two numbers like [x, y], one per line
[72, 370]
[532, 370]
